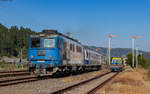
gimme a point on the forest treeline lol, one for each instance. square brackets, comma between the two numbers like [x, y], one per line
[13, 39]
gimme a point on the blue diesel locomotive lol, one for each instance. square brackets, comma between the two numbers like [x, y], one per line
[51, 51]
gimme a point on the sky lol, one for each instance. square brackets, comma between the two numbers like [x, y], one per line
[89, 21]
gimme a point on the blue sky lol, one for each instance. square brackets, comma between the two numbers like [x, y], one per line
[90, 21]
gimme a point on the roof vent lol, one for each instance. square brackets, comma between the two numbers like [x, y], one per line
[50, 32]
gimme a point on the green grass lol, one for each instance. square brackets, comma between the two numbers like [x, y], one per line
[8, 67]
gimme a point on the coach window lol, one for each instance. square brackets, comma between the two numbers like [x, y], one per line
[71, 47]
[76, 48]
[64, 45]
[49, 43]
[35, 43]
[81, 49]
[87, 55]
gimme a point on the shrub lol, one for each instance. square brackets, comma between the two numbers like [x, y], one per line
[3, 64]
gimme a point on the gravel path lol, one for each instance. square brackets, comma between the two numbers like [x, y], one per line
[49, 85]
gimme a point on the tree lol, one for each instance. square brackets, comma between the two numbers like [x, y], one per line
[14, 39]
[129, 59]
[141, 60]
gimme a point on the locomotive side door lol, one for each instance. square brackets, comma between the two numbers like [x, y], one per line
[60, 47]
[68, 52]
[64, 51]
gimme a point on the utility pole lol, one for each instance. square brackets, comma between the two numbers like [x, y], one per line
[107, 56]
[133, 52]
[137, 53]
[133, 39]
[109, 40]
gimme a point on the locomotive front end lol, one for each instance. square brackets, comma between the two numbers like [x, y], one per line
[116, 65]
[43, 55]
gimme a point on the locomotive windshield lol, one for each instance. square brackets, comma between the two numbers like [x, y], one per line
[49, 43]
[116, 61]
[35, 42]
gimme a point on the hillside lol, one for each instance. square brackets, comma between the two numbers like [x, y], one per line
[116, 52]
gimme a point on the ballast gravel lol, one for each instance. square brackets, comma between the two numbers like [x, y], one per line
[49, 85]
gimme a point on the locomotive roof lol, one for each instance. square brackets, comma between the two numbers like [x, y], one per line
[55, 32]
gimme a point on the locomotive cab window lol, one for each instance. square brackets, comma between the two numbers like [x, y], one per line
[35, 42]
[49, 43]
[115, 61]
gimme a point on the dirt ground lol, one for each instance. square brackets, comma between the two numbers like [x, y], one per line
[128, 82]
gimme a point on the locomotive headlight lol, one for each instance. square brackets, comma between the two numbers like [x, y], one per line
[31, 56]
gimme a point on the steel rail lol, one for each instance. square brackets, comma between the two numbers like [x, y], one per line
[77, 84]
[21, 80]
[92, 91]
[13, 71]
[13, 74]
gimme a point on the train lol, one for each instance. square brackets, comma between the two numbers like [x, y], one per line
[116, 65]
[51, 51]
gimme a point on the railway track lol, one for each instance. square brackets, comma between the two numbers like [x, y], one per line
[88, 86]
[20, 80]
[17, 81]
[13, 73]
[16, 77]
[93, 91]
